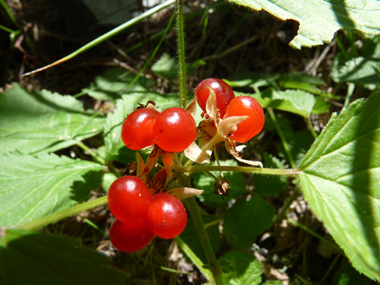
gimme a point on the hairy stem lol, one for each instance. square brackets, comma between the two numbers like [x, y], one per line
[181, 54]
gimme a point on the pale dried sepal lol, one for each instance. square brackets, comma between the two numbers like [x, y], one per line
[192, 107]
[228, 124]
[211, 105]
[194, 153]
[231, 148]
[185, 192]
[152, 160]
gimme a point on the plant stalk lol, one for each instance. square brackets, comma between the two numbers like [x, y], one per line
[205, 240]
[55, 217]
[246, 169]
[181, 54]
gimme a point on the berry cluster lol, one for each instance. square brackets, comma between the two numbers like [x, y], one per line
[141, 216]
[143, 212]
[173, 130]
[228, 106]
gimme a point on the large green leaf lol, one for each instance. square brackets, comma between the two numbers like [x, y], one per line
[41, 121]
[319, 20]
[240, 268]
[341, 182]
[33, 258]
[33, 187]
[124, 106]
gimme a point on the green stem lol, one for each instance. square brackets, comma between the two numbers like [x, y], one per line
[194, 258]
[246, 169]
[311, 129]
[282, 137]
[181, 54]
[204, 239]
[55, 217]
[108, 35]
[96, 157]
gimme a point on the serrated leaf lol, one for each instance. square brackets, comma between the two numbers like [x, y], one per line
[341, 182]
[116, 150]
[240, 268]
[116, 82]
[346, 275]
[245, 220]
[190, 236]
[41, 121]
[206, 182]
[28, 257]
[319, 20]
[33, 187]
[270, 185]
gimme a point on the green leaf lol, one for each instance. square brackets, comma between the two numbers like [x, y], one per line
[116, 150]
[341, 182]
[240, 268]
[319, 20]
[116, 82]
[28, 257]
[206, 182]
[270, 185]
[190, 236]
[245, 220]
[41, 121]
[33, 187]
[359, 70]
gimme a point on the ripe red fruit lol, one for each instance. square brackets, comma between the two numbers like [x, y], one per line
[250, 127]
[137, 129]
[129, 238]
[223, 94]
[174, 129]
[129, 199]
[167, 216]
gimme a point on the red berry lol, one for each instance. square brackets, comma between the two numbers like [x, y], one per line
[167, 216]
[223, 94]
[129, 199]
[129, 238]
[174, 129]
[250, 127]
[137, 130]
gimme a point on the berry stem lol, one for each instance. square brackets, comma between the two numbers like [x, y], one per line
[55, 217]
[181, 54]
[246, 169]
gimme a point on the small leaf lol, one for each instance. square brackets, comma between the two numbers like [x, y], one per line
[116, 82]
[41, 121]
[33, 187]
[240, 268]
[341, 182]
[245, 220]
[28, 257]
